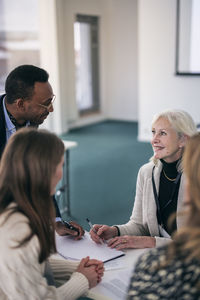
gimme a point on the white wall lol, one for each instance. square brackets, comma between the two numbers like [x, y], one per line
[122, 57]
[159, 88]
[118, 58]
[49, 57]
[67, 11]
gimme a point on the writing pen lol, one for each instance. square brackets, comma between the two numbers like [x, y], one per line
[70, 226]
[92, 227]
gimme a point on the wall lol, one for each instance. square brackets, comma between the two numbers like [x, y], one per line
[122, 57]
[67, 11]
[49, 57]
[118, 58]
[158, 87]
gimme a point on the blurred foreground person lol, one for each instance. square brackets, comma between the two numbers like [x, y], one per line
[30, 169]
[173, 271]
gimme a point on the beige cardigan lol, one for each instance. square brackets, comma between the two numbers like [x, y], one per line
[143, 221]
[21, 274]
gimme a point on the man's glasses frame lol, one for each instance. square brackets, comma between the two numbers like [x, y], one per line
[47, 107]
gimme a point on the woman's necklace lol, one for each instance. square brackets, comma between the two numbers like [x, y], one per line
[170, 179]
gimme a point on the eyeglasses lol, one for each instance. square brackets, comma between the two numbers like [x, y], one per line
[47, 107]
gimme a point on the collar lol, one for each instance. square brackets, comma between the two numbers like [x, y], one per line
[170, 168]
[11, 122]
[14, 121]
[9, 125]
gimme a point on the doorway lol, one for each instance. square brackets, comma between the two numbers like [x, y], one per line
[86, 47]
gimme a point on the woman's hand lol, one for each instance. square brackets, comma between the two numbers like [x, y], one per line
[127, 241]
[99, 267]
[62, 230]
[80, 229]
[102, 232]
[91, 270]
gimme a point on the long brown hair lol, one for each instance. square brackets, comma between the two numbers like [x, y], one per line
[187, 239]
[27, 165]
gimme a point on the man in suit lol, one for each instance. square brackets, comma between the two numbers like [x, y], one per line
[27, 102]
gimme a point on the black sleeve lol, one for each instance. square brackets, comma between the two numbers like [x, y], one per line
[2, 127]
[56, 207]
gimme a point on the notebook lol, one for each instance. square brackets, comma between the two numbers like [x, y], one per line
[76, 250]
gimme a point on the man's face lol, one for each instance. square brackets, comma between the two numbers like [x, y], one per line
[38, 107]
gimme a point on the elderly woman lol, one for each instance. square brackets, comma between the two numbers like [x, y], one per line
[159, 189]
[173, 271]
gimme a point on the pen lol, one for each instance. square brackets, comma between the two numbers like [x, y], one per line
[70, 226]
[91, 226]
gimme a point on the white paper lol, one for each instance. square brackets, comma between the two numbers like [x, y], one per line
[114, 288]
[70, 248]
[115, 283]
[114, 264]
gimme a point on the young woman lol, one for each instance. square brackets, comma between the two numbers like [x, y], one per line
[30, 169]
[173, 271]
[159, 189]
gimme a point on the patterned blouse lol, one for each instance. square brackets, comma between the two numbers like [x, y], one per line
[177, 280]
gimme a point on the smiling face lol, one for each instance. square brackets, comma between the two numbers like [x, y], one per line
[42, 95]
[166, 143]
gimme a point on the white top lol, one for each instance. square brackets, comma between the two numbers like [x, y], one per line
[22, 275]
[143, 221]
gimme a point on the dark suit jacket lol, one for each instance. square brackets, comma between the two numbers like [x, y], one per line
[2, 127]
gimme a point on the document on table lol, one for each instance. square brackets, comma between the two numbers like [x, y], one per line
[114, 287]
[115, 283]
[69, 248]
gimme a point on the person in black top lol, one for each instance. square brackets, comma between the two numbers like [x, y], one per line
[173, 271]
[28, 101]
[159, 188]
[168, 190]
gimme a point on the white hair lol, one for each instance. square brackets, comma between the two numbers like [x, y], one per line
[181, 122]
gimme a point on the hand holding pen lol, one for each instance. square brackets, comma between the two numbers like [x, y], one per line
[100, 233]
[69, 228]
[63, 227]
[74, 227]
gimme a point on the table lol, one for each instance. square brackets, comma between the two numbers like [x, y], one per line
[118, 271]
[64, 185]
[116, 281]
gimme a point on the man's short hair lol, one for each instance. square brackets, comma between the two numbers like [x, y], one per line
[20, 82]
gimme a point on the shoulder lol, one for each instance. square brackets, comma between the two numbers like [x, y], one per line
[151, 258]
[14, 227]
[176, 279]
[147, 166]
[146, 169]
[2, 96]
[1, 100]
[13, 230]
[2, 119]
[151, 263]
